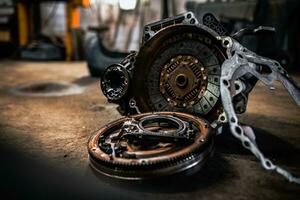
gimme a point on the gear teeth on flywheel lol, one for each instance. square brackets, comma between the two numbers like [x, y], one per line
[162, 160]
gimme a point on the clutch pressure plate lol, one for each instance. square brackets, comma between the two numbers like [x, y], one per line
[151, 145]
[177, 69]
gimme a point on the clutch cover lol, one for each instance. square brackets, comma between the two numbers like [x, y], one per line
[151, 145]
[177, 69]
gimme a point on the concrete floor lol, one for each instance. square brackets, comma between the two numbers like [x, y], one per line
[43, 144]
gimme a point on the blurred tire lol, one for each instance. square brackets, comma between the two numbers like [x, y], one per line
[99, 57]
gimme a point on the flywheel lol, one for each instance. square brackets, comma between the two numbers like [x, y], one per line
[151, 145]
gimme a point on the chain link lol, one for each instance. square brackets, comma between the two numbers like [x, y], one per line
[237, 65]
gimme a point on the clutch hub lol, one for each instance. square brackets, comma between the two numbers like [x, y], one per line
[183, 81]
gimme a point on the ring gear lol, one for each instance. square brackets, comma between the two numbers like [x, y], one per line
[151, 145]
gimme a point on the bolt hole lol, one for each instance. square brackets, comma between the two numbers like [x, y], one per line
[192, 21]
[265, 70]
[232, 120]
[226, 42]
[247, 144]
[237, 87]
[268, 163]
[238, 130]
[189, 16]
[225, 82]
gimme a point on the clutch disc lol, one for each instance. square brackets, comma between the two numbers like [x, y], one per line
[179, 71]
[151, 145]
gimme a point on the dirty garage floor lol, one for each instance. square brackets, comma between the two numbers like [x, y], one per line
[43, 143]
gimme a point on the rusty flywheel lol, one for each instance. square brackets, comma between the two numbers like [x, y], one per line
[151, 145]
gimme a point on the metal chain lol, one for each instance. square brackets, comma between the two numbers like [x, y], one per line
[244, 61]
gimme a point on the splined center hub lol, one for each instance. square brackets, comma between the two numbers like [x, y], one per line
[183, 81]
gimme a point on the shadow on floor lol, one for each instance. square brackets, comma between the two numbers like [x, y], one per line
[271, 145]
[85, 81]
[215, 171]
